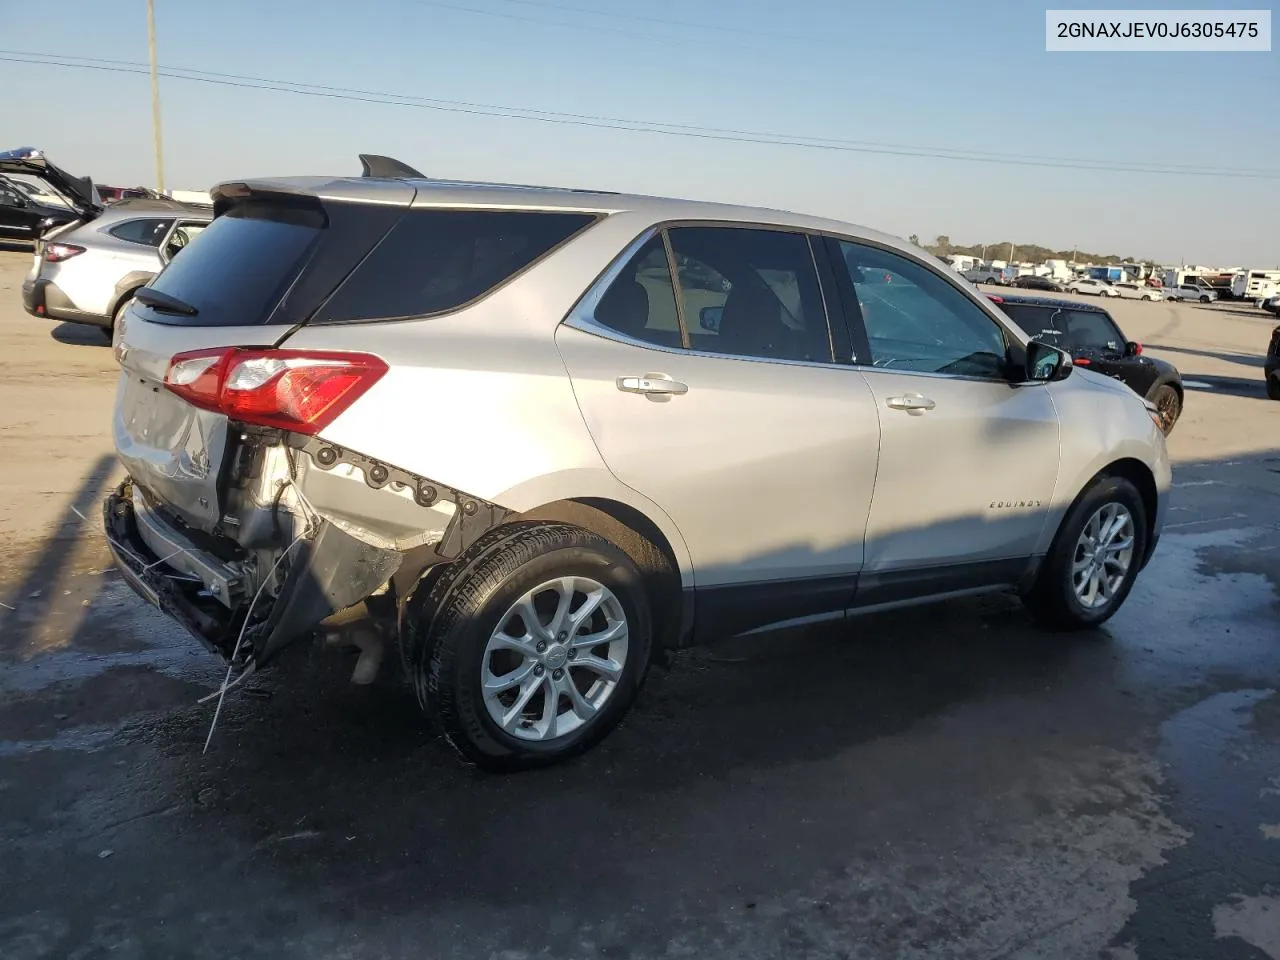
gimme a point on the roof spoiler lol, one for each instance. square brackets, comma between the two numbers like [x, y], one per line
[374, 165]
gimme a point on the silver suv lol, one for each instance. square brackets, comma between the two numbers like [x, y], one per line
[544, 435]
[86, 271]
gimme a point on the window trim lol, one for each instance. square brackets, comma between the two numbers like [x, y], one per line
[677, 291]
[1016, 350]
[581, 315]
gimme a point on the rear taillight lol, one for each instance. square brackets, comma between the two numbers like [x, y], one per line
[57, 252]
[301, 391]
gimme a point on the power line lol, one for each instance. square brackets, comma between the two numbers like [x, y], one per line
[589, 27]
[717, 28]
[634, 126]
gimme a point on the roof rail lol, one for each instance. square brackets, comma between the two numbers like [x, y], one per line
[374, 165]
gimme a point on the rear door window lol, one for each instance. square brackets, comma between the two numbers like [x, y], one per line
[640, 302]
[434, 261]
[1090, 330]
[148, 231]
[749, 292]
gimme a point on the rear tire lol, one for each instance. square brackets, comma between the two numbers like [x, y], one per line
[1273, 388]
[551, 693]
[1204, 299]
[1103, 532]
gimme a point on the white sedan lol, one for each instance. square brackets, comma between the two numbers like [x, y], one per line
[1097, 288]
[1138, 291]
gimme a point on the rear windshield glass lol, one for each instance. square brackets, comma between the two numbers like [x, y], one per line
[434, 261]
[234, 272]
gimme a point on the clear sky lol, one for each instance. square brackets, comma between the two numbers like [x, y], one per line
[928, 75]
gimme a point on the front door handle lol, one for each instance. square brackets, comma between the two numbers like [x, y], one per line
[652, 384]
[910, 402]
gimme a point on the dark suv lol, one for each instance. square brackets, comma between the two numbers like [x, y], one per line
[1095, 340]
[1271, 368]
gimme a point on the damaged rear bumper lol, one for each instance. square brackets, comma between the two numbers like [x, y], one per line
[324, 572]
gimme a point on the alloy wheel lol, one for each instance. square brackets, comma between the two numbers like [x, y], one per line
[555, 658]
[1103, 555]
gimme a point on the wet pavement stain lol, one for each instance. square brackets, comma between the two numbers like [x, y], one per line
[1211, 897]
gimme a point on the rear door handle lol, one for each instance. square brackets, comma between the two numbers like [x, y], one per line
[911, 401]
[651, 384]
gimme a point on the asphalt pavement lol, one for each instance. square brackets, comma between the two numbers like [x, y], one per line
[947, 782]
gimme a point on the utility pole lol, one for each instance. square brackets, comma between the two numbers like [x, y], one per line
[155, 95]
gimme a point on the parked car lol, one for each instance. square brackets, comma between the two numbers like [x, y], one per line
[115, 194]
[497, 421]
[999, 276]
[87, 271]
[1030, 282]
[1271, 366]
[37, 191]
[1097, 288]
[1270, 304]
[1136, 291]
[1094, 339]
[1196, 293]
[24, 217]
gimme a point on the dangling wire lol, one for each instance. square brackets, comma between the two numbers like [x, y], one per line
[227, 682]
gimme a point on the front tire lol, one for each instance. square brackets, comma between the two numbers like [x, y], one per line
[1204, 299]
[1169, 406]
[1094, 559]
[1273, 388]
[537, 652]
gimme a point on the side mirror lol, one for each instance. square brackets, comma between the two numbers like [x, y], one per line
[709, 318]
[1046, 363]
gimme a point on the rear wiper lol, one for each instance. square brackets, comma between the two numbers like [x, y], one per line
[164, 303]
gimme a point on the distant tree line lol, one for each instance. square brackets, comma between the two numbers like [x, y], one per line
[1032, 252]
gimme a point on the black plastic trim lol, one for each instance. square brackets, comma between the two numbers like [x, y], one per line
[897, 586]
[729, 610]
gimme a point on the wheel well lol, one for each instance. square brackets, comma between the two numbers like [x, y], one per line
[123, 297]
[1139, 474]
[641, 540]
[1177, 388]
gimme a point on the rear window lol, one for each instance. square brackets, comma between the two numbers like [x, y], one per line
[434, 261]
[235, 271]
